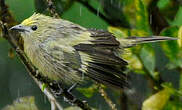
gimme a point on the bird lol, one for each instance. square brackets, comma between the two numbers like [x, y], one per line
[69, 53]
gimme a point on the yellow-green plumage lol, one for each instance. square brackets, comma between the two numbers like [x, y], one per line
[64, 51]
[46, 51]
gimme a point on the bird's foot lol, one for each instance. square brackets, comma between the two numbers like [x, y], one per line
[71, 99]
[57, 91]
[72, 88]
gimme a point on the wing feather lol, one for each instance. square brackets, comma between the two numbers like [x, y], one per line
[100, 61]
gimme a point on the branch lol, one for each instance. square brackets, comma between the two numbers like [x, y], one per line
[158, 21]
[52, 9]
[40, 80]
[107, 99]
[50, 96]
[123, 100]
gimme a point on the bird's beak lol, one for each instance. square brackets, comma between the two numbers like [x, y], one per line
[19, 28]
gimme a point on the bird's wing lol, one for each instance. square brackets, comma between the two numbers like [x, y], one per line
[97, 53]
[100, 61]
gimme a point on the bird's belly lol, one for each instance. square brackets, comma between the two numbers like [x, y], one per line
[47, 67]
[37, 59]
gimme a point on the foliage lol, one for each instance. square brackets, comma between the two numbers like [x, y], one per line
[151, 64]
[157, 101]
[23, 103]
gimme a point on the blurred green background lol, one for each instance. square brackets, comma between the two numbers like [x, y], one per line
[155, 69]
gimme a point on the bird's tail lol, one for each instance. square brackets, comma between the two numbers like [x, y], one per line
[132, 41]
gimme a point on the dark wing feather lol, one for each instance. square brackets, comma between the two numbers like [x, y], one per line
[107, 79]
[105, 66]
[104, 38]
[100, 54]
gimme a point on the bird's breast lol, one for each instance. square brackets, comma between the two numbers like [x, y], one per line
[36, 56]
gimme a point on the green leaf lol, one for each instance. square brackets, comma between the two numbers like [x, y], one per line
[175, 92]
[142, 22]
[118, 32]
[88, 92]
[21, 9]
[162, 3]
[44, 86]
[147, 55]
[136, 32]
[170, 31]
[62, 5]
[173, 105]
[40, 6]
[81, 15]
[177, 20]
[23, 103]
[158, 100]
[168, 9]
[171, 48]
[113, 9]
[133, 60]
[180, 37]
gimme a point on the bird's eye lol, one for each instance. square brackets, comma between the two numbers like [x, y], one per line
[34, 27]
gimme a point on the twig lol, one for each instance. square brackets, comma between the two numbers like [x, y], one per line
[123, 100]
[52, 8]
[158, 22]
[52, 99]
[11, 38]
[107, 99]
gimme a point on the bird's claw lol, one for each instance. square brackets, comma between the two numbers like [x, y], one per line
[72, 88]
[60, 91]
[71, 102]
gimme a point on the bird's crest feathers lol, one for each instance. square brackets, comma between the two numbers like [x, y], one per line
[34, 18]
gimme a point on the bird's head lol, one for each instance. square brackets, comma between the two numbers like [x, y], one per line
[35, 25]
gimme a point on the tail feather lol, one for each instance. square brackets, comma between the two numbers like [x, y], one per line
[132, 41]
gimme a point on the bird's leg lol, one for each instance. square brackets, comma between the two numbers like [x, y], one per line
[72, 87]
[57, 90]
[68, 91]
